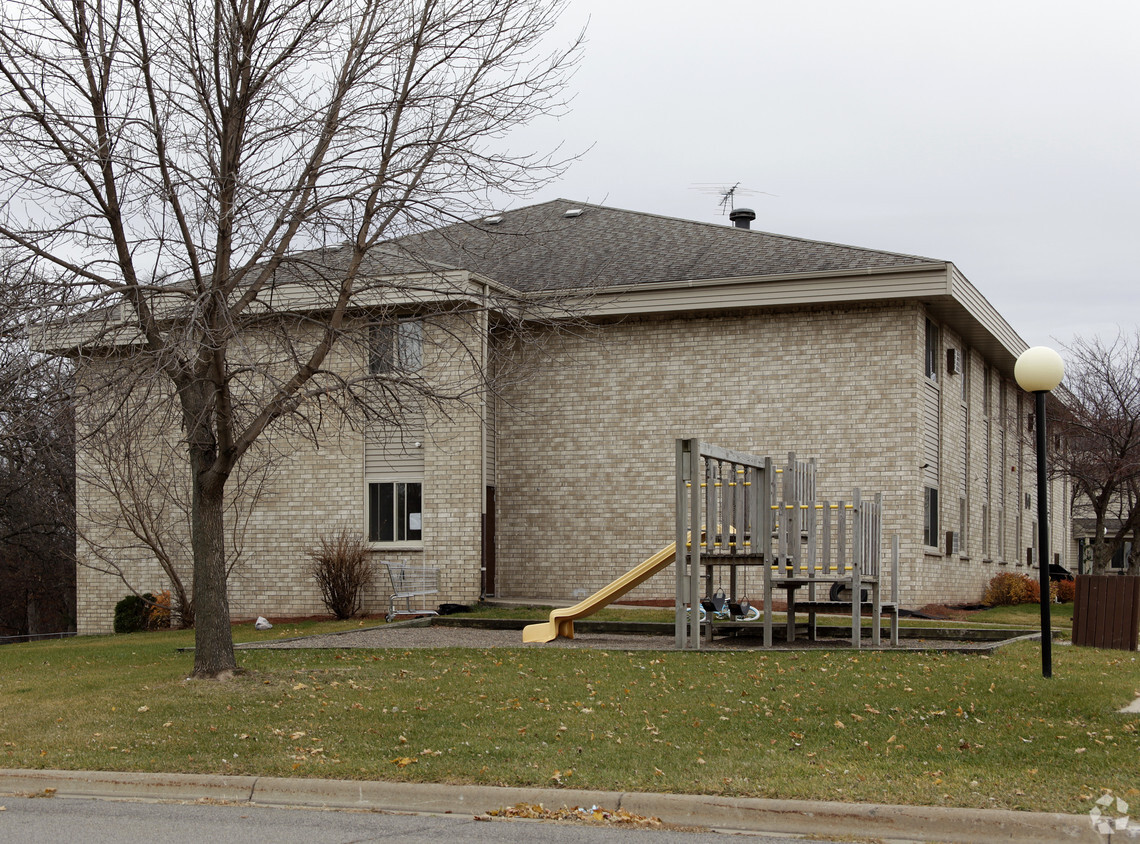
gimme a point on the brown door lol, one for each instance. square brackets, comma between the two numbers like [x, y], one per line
[489, 545]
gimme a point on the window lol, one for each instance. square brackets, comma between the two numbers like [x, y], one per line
[965, 376]
[395, 511]
[963, 522]
[931, 351]
[985, 531]
[930, 517]
[396, 347]
[1120, 556]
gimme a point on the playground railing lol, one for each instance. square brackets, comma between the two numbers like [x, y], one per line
[738, 511]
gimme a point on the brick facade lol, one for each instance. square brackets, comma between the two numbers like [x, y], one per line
[585, 450]
[892, 371]
[585, 474]
[309, 489]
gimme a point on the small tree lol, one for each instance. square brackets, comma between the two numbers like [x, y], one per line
[343, 570]
[1101, 430]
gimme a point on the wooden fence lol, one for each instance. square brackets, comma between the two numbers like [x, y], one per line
[1106, 611]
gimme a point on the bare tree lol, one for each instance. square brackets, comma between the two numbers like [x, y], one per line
[133, 460]
[1101, 430]
[176, 170]
[37, 494]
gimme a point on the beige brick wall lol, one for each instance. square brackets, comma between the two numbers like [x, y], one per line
[585, 480]
[314, 488]
[585, 448]
[585, 475]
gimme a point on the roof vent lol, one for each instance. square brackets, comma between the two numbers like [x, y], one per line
[570, 213]
[742, 217]
[493, 220]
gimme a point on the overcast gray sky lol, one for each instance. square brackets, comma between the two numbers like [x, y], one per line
[1000, 135]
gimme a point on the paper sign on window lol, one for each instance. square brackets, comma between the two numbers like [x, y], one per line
[415, 521]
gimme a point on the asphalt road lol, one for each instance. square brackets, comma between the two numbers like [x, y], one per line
[26, 820]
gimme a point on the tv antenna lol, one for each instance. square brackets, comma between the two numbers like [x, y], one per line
[727, 193]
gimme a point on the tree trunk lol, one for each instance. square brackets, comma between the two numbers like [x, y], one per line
[1102, 549]
[213, 639]
[1101, 556]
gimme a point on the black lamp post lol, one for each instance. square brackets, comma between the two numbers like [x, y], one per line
[1039, 370]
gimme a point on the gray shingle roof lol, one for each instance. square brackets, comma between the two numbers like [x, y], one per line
[538, 248]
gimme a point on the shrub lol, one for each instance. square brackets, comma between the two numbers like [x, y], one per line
[1008, 589]
[131, 613]
[342, 569]
[1066, 591]
[158, 613]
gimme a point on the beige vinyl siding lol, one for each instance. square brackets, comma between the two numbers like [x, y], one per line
[490, 423]
[394, 455]
[964, 469]
[930, 436]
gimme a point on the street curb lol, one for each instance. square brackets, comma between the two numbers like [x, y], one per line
[860, 820]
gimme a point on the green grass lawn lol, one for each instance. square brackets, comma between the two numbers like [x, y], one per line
[918, 727]
[1027, 615]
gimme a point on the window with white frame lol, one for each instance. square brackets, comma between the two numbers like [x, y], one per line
[396, 347]
[393, 478]
[395, 511]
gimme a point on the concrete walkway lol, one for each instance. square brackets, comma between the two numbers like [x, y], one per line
[811, 818]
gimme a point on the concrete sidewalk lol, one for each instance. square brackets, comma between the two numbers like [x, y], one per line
[845, 820]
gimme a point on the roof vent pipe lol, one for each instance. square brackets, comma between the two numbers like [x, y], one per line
[742, 217]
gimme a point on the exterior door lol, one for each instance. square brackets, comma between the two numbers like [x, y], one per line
[489, 545]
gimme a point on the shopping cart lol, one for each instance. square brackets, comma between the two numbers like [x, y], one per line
[410, 582]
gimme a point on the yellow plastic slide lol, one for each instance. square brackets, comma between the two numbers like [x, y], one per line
[562, 620]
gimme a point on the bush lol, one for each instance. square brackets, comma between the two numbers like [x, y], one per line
[131, 613]
[1065, 591]
[158, 613]
[1008, 589]
[342, 569]
[143, 612]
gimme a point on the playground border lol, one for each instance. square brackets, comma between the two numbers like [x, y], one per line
[657, 636]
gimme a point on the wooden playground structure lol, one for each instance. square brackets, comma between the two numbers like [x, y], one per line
[739, 513]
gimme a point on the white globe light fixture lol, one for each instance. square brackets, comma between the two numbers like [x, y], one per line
[1040, 370]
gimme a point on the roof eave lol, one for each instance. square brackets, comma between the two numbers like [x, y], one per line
[938, 285]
